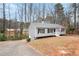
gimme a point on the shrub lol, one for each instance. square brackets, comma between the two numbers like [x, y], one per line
[2, 37]
[22, 36]
[28, 39]
[70, 29]
[17, 37]
[12, 38]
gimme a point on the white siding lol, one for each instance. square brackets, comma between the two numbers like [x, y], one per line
[33, 30]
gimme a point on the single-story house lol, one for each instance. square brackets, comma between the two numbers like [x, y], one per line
[45, 29]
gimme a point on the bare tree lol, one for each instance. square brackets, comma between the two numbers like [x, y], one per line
[39, 11]
[43, 12]
[9, 17]
[52, 12]
[30, 11]
[74, 6]
[20, 13]
[21, 24]
[16, 23]
[4, 18]
[25, 12]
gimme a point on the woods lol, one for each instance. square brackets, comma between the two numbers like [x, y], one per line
[18, 17]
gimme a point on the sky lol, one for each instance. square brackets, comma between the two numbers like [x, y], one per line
[13, 8]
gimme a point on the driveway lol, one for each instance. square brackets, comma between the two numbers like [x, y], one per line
[16, 48]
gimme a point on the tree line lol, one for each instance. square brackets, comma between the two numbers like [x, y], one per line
[30, 12]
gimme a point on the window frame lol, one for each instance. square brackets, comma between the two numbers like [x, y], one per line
[62, 29]
[51, 30]
[41, 30]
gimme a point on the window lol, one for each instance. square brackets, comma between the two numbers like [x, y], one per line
[62, 29]
[41, 30]
[51, 30]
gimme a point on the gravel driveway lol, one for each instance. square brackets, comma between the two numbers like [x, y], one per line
[16, 48]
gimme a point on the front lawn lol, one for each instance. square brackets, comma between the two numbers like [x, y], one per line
[57, 46]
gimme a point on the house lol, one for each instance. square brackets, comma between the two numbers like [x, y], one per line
[11, 32]
[45, 29]
[25, 31]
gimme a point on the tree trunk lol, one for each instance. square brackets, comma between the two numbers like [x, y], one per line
[4, 18]
[75, 16]
[43, 12]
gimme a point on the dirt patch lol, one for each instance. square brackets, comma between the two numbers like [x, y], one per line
[57, 46]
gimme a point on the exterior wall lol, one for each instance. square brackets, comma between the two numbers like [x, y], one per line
[57, 33]
[64, 32]
[33, 31]
[44, 34]
[10, 33]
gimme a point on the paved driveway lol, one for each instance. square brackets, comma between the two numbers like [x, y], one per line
[16, 48]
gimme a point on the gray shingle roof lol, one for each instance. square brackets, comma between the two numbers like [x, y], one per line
[46, 25]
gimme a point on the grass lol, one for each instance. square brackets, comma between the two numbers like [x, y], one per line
[55, 45]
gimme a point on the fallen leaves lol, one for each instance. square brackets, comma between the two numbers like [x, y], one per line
[57, 46]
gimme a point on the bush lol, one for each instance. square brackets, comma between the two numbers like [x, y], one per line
[2, 37]
[22, 36]
[70, 29]
[28, 39]
[12, 38]
[17, 37]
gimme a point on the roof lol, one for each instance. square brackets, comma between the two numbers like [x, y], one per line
[23, 29]
[46, 25]
[10, 29]
[16, 29]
